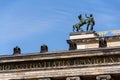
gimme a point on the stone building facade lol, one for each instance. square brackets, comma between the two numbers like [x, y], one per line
[90, 57]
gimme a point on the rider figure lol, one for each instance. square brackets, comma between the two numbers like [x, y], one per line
[90, 22]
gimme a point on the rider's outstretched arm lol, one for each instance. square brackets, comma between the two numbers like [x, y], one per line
[86, 16]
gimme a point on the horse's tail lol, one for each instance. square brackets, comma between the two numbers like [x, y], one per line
[73, 28]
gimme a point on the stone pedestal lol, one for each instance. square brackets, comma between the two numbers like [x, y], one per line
[82, 35]
[82, 40]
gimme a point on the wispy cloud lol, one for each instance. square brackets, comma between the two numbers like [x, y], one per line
[23, 20]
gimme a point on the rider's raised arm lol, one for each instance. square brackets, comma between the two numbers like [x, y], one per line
[86, 16]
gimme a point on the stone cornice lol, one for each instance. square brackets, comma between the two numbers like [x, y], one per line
[61, 59]
[61, 54]
[84, 40]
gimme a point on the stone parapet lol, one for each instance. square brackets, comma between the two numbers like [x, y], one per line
[81, 35]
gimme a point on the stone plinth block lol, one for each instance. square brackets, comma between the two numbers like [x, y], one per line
[81, 35]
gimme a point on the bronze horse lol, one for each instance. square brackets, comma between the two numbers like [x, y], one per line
[78, 25]
[89, 21]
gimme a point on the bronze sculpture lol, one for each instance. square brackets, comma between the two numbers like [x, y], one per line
[78, 25]
[89, 21]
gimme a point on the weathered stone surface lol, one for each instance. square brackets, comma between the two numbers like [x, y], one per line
[113, 44]
[79, 36]
[73, 78]
[44, 79]
[86, 41]
[87, 46]
[113, 69]
[70, 65]
[61, 54]
[103, 77]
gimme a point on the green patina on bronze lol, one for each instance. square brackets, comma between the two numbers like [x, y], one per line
[89, 21]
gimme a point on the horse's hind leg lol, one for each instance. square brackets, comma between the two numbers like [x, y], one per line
[77, 29]
[81, 30]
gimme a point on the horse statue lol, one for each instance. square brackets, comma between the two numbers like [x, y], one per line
[89, 21]
[80, 24]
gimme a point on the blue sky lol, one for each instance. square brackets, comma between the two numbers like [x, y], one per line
[31, 23]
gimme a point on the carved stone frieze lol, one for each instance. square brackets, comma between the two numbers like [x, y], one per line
[44, 79]
[61, 63]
